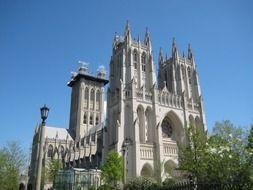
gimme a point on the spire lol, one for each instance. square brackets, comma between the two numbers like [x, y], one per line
[174, 43]
[189, 52]
[190, 55]
[174, 51]
[147, 40]
[139, 41]
[127, 33]
[115, 40]
[160, 56]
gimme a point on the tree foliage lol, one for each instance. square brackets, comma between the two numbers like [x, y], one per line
[12, 163]
[112, 171]
[52, 169]
[192, 156]
[141, 183]
[221, 158]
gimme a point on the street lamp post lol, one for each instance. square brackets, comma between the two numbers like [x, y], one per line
[124, 147]
[44, 113]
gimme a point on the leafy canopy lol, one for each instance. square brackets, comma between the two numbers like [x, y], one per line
[221, 158]
[12, 163]
[53, 168]
[112, 171]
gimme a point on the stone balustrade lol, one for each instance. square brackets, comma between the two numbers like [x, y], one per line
[146, 151]
[170, 149]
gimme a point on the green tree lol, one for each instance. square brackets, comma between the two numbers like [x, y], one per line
[52, 169]
[12, 163]
[222, 158]
[112, 171]
[228, 153]
[250, 138]
[250, 152]
[193, 155]
[141, 183]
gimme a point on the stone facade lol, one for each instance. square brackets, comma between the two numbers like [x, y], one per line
[149, 113]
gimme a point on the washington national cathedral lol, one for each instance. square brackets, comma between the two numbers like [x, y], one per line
[146, 116]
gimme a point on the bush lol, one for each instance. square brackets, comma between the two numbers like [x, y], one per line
[169, 182]
[108, 187]
[92, 188]
[141, 183]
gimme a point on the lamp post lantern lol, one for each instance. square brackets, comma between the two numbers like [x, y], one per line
[44, 113]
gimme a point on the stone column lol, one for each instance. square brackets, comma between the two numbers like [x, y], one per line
[39, 171]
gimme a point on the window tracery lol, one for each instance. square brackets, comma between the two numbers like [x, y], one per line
[167, 128]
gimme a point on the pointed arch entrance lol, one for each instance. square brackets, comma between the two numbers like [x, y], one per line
[147, 170]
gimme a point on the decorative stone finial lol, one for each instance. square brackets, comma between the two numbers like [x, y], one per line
[101, 72]
[83, 67]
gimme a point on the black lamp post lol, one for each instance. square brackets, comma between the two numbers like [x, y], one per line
[44, 113]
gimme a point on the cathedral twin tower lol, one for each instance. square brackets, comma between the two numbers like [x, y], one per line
[150, 115]
[146, 116]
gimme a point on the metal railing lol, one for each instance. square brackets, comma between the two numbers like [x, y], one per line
[208, 186]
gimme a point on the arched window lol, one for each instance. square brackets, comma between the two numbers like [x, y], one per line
[143, 62]
[189, 75]
[92, 97]
[97, 119]
[86, 97]
[166, 128]
[62, 152]
[191, 120]
[87, 139]
[50, 151]
[82, 142]
[135, 58]
[85, 118]
[149, 119]
[141, 118]
[91, 119]
[56, 153]
[98, 100]
[183, 72]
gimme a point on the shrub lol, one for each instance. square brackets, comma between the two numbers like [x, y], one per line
[141, 183]
[108, 187]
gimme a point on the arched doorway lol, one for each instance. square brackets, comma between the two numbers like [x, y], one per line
[169, 168]
[147, 170]
[30, 187]
[21, 186]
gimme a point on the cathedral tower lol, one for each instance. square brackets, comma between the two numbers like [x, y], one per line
[150, 115]
[87, 101]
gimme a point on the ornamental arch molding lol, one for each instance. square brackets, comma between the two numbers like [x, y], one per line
[149, 118]
[141, 121]
[172, 127]
[147, 170]
[169, 168]
[191, 121]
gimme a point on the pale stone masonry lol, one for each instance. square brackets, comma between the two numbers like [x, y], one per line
[150, 113]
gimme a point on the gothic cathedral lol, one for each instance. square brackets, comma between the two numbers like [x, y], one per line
[146, 117]
[150, 115]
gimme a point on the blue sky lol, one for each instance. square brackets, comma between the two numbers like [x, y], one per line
[41, 42]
